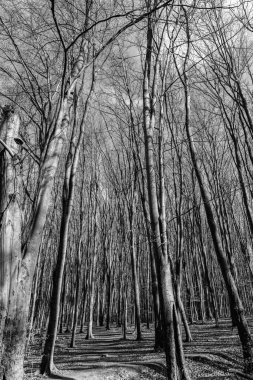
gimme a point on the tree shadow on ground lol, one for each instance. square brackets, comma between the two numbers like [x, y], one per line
[212, 354]
[61, 377]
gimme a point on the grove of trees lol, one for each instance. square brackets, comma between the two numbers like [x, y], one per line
[126, 134]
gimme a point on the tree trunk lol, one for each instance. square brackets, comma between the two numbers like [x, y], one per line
[83, 311]
[47, 364]
[33, 302]
[98, 306]
[236, 306]
[63, 296]
[77, 289]
[108, 303]
[158, 221]
[135, 280]
[14, 279]
[10, 213]
[125, 315]
[92, 291]
[188, 336]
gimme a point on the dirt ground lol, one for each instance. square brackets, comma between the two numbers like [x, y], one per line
[215, 353]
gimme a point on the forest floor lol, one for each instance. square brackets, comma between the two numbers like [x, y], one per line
[215, 353]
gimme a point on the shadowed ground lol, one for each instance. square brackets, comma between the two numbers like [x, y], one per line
[213, 354]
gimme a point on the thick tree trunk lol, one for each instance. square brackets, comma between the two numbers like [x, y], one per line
[15, 279]
[14, 335]
[14, 344]
[10, 213]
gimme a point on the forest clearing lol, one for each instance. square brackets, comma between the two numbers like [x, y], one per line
[126, 189]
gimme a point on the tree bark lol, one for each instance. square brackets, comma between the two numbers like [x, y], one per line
[77, 290]
[13, 272]
[135, 275]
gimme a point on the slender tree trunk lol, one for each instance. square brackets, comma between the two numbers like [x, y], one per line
[92, 290]
[33, 303]
[108, 303]
[77, 289]
[173, 346]
[98, 305]
[159, 344]
[147, 298]
[63, 296]
[91, 309]
[119, 316]
[188, 336]
[234, 298]
[125, 315]
[135, 277]
[83, 311]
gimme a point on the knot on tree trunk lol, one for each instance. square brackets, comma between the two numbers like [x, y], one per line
[6, 111]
